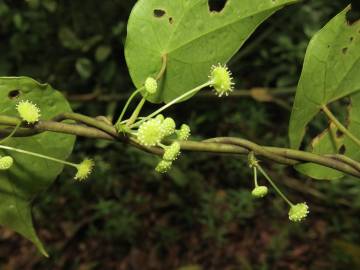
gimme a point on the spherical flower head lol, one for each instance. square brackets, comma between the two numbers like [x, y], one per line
[150, 133]
[172, 152]
[183, 133]
[168, 126]
[163, 166]
[221, 80]
[84, 169]
[28, 111]
[298, 212]
[6, 162]
[151, 85]
[259, 191]
[160, 118]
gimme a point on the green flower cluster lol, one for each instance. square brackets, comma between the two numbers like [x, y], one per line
[6, 162]
[153, 131]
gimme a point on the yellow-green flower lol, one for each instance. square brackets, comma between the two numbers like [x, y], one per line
[172, 152]
[168, 126]
[84, 169]
[6, 162]
[298, 212]
[151, 85]
[221, 80]
[150, 133]
[28, 111]
[184, 133]
[259, 191]
[163, 166]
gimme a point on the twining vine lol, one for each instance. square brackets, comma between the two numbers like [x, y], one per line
[162, 136]
[158, 135]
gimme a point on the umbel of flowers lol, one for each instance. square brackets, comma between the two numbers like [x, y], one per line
[152, 133]
[297, 212]
[154, 129]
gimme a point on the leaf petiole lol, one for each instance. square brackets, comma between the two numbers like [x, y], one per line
[118, 122]
[340, 126]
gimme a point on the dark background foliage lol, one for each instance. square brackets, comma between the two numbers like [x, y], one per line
[200, 215]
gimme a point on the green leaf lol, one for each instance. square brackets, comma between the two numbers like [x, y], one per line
[331, 71]
[50, 5]
[102, 53]
[29, 176]
[84, 67]
[323, 144]
[191, 37]
[351, 149]
[91, 42]
[69, 39]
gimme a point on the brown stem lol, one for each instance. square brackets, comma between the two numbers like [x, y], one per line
[224, 145]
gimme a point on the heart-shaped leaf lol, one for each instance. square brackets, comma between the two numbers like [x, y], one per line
[190, 37]
[331, 71]
[30, 176]
[329, 142]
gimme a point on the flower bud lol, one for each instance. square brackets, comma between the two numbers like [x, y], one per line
[259, 191]
[6, 162]
[298, 212]
[151, 85]
[163, 166]
[172, 152]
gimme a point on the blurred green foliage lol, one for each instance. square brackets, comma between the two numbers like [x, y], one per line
[71, 44]
[201, 214]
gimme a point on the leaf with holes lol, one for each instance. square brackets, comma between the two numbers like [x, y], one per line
[331, 71]
[191, 38]
[328, 142]
[30, 176]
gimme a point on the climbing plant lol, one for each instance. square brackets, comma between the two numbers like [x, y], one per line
[174, 50]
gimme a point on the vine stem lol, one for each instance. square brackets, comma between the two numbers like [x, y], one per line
[37, 155]
[97, 129]
[340, 126]
[290, 156]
